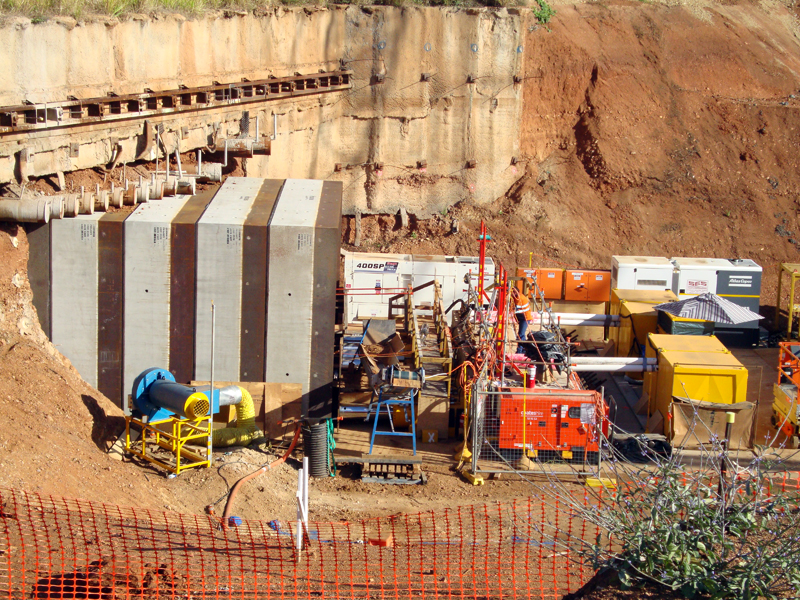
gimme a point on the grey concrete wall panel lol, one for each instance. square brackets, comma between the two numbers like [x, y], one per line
[327, 240]
[39, 270]
[110, 302]
[291, 284]
[219, 277]
[74, 291]
[182, 291]
[147, 287]
[255, 266]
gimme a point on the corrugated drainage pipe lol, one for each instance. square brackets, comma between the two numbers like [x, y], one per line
[35, 210]
[315, 447]
[245, 431]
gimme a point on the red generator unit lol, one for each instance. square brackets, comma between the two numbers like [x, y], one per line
[553, 424]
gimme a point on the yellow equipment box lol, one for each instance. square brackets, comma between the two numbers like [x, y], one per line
[646, 296]
[637, 318]
[683, 343]
[700, 368]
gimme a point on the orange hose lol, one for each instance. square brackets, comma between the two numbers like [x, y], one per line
[264, 469]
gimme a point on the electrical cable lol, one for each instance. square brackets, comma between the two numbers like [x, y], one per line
[264, 469]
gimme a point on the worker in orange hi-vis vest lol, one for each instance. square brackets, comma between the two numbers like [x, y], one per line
[523, 312]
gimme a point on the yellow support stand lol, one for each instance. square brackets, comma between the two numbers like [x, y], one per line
[184, 431]
[793, 269]
[601, 482]
[472, 478]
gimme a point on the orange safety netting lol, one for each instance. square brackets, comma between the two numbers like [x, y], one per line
[61, 548]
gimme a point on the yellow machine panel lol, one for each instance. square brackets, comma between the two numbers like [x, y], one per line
[637, 319]
[684, 343]
[646, 296]
[700, 368]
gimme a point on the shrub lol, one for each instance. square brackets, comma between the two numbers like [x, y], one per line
[544, 13]
[709, 527]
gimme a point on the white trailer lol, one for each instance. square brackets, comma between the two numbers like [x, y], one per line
[371, 279]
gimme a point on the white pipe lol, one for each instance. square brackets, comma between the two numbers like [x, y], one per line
[585, 316]
[72, 205]
[298, 541]
[305, 490]
[613, 368]
[619, 360]
[57, 207]
[115, 196]
[101, 200]
[34, 210]
[87, 202]
[274, 126]
[589, 323]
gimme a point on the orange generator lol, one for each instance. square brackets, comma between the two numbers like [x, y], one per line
[587, 285]
[553, 423]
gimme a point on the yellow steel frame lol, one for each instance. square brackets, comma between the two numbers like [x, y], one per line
[793, 269]
[183, 432]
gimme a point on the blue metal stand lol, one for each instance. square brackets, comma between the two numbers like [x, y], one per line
[405, 399]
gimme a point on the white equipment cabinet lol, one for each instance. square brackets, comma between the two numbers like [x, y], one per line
[371, 279]
[641, 273]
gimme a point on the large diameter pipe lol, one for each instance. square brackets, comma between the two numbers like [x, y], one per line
[57, 207]
[72, 205]
[614, 360]
[116, 196]
[581, 368]
[101, 201]
[588, 323]
[584, 316]
[34, 210]
[179, 399]
[87, 203]
[210, 172]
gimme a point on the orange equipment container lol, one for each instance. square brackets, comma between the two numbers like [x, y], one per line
[587, 285]
[550, 281]
[558, 423]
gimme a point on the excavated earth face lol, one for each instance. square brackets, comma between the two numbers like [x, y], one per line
[646, 129]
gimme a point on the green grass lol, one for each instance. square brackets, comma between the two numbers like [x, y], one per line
[41, 10]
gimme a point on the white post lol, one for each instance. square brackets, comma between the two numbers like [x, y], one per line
[211, 403]
[298, 542]
[305, 491]
[302, 504]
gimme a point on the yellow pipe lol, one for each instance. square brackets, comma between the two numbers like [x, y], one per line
[245, 431]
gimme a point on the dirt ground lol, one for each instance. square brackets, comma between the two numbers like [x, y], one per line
[648, 129]
[55, 429]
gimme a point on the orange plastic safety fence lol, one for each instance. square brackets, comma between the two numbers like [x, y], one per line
[61, 548]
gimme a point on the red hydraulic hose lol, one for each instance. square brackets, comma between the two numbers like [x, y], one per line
[264, 469]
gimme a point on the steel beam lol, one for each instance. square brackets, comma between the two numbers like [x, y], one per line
[111, 108]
